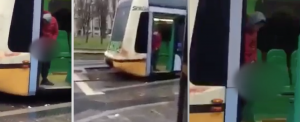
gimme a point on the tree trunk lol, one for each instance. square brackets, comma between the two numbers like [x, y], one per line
[92, 28]
[99, 23]
[87, 37]
[86, 33]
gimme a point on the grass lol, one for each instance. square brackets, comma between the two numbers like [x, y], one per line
[78, 56]
[92, 44]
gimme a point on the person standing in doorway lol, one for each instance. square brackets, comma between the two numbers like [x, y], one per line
[156, 42]
[49, 33]
[254, 23]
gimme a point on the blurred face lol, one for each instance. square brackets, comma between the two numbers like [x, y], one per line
[257, 26]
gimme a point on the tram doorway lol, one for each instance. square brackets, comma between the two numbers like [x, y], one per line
[167, 57]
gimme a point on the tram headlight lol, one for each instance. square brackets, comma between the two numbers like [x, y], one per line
[217, 101]
[25, 64]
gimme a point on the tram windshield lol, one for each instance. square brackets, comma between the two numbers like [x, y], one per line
[120, 20]
[180, 4]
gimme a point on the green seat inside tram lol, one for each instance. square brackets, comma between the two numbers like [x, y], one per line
[163, 53]
[293, 67]
[279, 105]
[62, 58]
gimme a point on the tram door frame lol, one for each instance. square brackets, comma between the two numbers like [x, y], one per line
[182, 108]
[34, 63]
[152, 10]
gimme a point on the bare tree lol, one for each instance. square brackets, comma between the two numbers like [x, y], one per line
[101, 13]
[113, 12]
[84, 16]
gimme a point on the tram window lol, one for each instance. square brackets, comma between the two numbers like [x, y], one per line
[120, 21]
[20, 34]
[142, 34]
[209, 46]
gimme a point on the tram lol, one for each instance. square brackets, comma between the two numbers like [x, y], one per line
[216, 43]
[130, 47]
[20, 26]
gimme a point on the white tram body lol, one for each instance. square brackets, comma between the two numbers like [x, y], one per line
[122, 52]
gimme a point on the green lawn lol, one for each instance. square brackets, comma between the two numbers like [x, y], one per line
[92, 44]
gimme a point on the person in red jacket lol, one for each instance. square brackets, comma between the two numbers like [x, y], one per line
[49, 33]
[156, 42]
[255, 22]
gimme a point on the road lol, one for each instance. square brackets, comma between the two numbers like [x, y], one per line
[103, 95]
[50, 107]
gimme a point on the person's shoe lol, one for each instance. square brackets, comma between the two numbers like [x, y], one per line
[46, 82]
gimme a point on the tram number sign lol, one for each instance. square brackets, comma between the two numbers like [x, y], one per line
[139, 8]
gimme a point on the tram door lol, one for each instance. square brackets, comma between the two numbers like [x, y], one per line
[178, 30]
[170, 27]
[163, 25]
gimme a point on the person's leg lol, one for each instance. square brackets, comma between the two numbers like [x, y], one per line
[155, 57]
[44, 72]
[241, 106]
[153, 60]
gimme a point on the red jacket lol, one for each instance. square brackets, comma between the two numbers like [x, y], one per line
[156, 38]
[250, 46]
[50, 30]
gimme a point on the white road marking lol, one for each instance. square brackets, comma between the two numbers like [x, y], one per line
[139, 85]
[34, 109]
[86, 89]
[106, 113]
[79, 77]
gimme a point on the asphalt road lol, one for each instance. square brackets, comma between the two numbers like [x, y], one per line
[107, 96]
[51, 106]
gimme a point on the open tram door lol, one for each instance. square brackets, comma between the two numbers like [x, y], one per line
[20, 26]
[169, 23]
